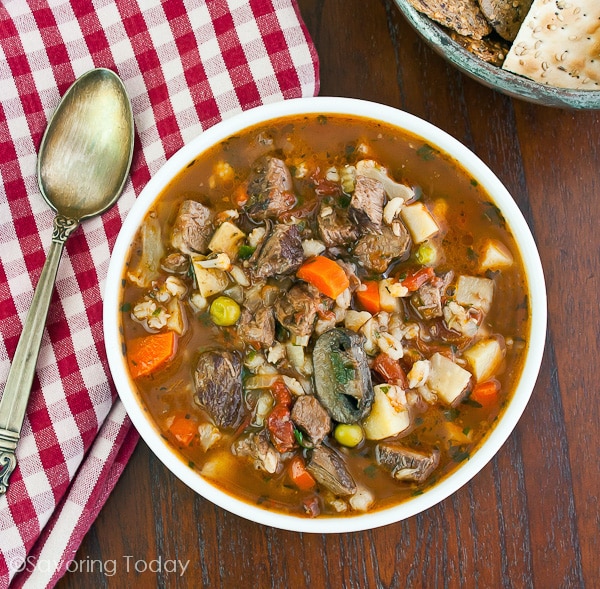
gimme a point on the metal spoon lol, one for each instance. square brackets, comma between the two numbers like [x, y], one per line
[83, 163]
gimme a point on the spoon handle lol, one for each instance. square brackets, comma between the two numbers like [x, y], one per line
[20, 377]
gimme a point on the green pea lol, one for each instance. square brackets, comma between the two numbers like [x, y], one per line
[349, 435]
[224, 311]
[426, 254]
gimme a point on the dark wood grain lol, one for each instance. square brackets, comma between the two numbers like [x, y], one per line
[530, 518]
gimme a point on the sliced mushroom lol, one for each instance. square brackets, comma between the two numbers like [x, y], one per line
[218, 380]
[407, 464]
[342, 375]
[329, 470]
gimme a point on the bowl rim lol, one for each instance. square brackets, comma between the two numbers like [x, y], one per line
[493, 76]
[334, 106]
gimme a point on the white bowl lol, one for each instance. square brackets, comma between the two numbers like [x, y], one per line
[433, 136]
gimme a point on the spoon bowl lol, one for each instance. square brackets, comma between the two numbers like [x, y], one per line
[86, 151]
[83, 164]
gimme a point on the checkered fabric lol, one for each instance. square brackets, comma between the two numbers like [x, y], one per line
[186, 65]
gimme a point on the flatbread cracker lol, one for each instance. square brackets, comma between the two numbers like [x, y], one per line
[491, 50]
[505, 16]
[559, 44]
[463, 16]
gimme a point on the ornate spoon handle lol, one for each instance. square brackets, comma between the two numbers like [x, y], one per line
[18, 385]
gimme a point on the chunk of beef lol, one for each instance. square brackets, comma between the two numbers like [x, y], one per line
[218, 380]
[376, 251]
[297, 309]
[193, 228]
[406, 464]
[366, 205]
[335, 226]
[257, 327]
[256, 446]
[312, 418]
[269, 190]
[176, 264]
[329, 470]
[427, 301]
[281, 253]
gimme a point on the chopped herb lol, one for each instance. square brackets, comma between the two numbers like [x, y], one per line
[458, 454]
[472, 254]
[343, 370]
[301, 440]
[245, 251]
[125, 307]
[322, 120]
[427, 152]
[474, 182]
[472, 403]
[192, 464]
[493, 215]
[417, 492]
[371, 471]
[451, 414]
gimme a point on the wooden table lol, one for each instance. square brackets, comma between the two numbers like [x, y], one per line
[531, 517]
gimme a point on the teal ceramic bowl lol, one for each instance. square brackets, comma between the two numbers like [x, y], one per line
[492, 76]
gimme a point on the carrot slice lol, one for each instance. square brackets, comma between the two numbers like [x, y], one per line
[300, 476]
[183, 429]
[486, 393]
[325, 274]
[368, 298]
[147, 354]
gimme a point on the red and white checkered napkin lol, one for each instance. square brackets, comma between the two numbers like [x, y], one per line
[186, 65]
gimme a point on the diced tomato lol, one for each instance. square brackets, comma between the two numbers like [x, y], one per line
[390, 370]
[311, 506]
[416, 279]
[281, 393]
[281, 428]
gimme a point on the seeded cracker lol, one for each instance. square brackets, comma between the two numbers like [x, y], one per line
[505, 16]
[491, 50]
[559, 44]
[463, 16]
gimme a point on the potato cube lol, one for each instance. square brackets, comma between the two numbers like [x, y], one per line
[388, 416]
[494, 255]
[474, 291]
[226, 239]
[447, 380]
[484, 358]
[419, 222]
[387, 301]
[210, 281]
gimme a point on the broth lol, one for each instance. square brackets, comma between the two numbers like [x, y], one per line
[328, 158]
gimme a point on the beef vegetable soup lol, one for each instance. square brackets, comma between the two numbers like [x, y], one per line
[324, 315]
